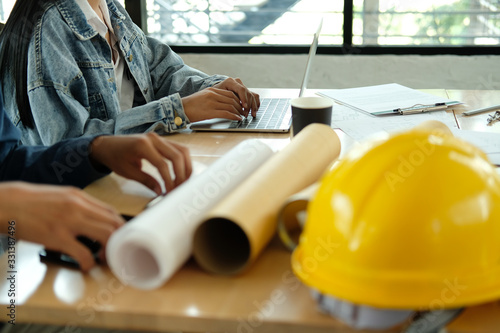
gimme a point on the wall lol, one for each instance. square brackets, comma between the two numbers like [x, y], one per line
[332, 71]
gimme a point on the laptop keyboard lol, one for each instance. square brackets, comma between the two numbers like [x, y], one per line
[270, 115]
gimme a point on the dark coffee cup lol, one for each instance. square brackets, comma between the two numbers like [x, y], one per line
[308, 110]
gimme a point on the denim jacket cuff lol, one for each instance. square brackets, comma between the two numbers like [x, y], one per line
[174, 112]
[213, 80]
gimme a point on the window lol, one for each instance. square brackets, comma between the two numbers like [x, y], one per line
[426, 22]
[429, 23]
[382, 26]
[5, 8]
[251, 22]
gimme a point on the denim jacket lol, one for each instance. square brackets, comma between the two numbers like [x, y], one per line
[64, 163]
[71, 82]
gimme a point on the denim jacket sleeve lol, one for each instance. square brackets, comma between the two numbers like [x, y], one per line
[66, 163]
[63, 116]
[169, 74]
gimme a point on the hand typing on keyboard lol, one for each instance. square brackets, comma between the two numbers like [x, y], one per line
[229, 99]
[248, 100]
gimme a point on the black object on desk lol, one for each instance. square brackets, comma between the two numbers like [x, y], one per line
[66, 260]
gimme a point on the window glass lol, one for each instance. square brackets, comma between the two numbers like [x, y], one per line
[275, 22]
[5, 8]
[293, 22]
[280, 22]
[426, 22]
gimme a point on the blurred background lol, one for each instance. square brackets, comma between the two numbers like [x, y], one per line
[452, 44]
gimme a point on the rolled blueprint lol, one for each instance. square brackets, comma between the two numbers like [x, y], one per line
[151, 247]
[237, 229]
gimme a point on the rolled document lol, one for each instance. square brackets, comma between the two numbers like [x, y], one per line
[237, 229]
[292, 216]
[150, 248]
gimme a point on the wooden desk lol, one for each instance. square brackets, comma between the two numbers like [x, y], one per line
[266, 298]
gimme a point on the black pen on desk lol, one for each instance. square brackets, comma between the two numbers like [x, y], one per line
[487, 109]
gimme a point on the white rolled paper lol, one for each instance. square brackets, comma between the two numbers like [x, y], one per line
[151, 247]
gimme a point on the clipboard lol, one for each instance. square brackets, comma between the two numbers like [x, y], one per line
[388, 99]
[419, 108]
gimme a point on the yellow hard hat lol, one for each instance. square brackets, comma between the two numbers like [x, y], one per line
[409, 221]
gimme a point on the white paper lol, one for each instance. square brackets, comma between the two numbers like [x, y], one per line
[150, 248]
[494, 158]
[364, 128]
[488, 142]
[344, 113]
[384, 97]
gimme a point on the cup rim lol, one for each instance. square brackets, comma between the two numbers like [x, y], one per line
[311, 102]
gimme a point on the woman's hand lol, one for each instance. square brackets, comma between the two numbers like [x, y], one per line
[55, 215]
[124, 155]
[249, 101]
[229, 99]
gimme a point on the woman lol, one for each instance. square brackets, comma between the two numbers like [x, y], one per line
[71, 68]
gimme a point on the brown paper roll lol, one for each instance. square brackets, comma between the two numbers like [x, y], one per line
[289, 224]
[236, 230]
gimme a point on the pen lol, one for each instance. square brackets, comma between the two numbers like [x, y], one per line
[487, 109]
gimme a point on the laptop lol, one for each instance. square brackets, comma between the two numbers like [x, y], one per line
[274, 114]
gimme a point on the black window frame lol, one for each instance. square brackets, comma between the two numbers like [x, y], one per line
[138, 13]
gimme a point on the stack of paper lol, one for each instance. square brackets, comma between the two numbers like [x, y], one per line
[388, 99]
[367, 111]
